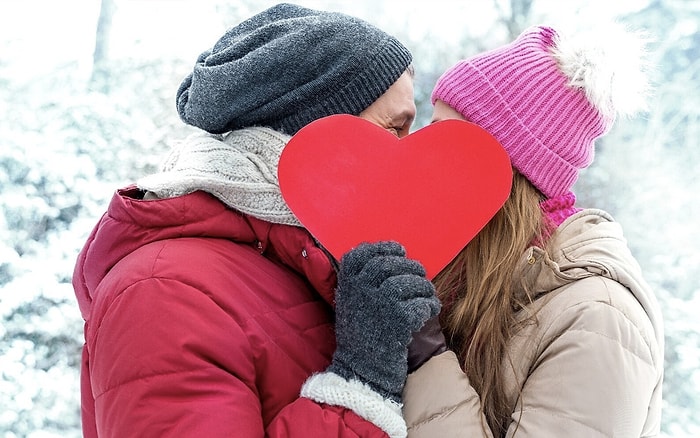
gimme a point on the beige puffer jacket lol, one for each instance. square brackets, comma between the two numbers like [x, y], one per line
[592, 366]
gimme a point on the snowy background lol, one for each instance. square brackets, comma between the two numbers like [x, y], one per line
[87, 105]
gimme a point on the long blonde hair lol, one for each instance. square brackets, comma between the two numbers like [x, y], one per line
[477, 290]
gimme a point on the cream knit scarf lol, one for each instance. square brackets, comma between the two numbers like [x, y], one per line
[239, 168]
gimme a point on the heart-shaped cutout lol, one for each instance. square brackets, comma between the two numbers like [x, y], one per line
[349, 181]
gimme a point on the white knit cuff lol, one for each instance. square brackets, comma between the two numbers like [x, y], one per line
[332, 389]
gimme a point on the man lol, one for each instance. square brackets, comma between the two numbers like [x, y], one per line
[207, 306]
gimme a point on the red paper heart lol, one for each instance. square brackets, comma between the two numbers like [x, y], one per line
[349, 181]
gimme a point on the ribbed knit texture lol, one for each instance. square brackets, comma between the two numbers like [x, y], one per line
[287, 66]
[239, 168]
[559, 208]
[518, 93]
[332, 389]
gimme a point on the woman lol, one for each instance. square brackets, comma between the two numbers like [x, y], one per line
[546, 310]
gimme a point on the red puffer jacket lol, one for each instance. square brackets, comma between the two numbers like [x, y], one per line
[201, 321]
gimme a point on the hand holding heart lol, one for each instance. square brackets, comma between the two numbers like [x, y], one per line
[349, 181]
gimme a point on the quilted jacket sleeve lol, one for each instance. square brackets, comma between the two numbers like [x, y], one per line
[167, 361]
[439, 401]
[305, 418]
[590, 368]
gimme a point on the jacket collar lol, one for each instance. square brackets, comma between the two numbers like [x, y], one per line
[586, 244]
[130, 222]
[589, 243]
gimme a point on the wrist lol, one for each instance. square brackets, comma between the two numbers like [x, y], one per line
[387, 379]
[427, 342]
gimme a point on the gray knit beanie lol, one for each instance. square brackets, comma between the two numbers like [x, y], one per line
[288, 66]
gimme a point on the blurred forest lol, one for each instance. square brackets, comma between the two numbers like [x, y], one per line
[83, 117]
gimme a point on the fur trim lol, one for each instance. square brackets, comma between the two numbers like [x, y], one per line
[332, 389]
[609, 64]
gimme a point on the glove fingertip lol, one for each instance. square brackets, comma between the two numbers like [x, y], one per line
[390, 247]
[354, 259]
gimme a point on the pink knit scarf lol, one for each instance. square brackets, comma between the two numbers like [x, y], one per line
[559, 208]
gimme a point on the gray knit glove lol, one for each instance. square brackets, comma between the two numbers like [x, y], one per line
[382, 298]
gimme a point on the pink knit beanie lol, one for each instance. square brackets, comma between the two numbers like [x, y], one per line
[546, 101]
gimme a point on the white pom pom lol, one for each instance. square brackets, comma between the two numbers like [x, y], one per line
[610, 65]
